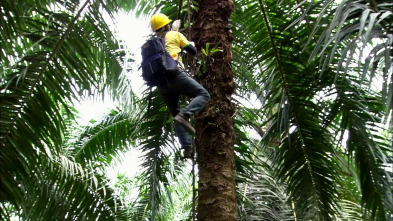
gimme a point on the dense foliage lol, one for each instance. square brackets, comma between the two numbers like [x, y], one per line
[314, 126]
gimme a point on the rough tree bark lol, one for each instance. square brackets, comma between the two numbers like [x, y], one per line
[215, 136]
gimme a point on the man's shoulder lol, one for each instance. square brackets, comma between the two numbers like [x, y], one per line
[174, 34]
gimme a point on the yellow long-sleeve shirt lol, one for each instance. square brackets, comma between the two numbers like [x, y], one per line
[174, 42]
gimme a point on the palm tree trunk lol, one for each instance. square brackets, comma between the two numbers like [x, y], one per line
[215, 132]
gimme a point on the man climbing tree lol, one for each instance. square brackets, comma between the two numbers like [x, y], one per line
[215, 136]
[176, 82]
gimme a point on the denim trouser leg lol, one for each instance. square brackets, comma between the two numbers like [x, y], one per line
[173, 103]
[191, 88]
[181, 84]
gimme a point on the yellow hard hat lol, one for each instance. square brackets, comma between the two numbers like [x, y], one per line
[158, 21]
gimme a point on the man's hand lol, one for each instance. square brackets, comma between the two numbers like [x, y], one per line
[176, 25]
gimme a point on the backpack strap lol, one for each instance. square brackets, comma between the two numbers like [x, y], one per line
[163, 37]
[150, 97]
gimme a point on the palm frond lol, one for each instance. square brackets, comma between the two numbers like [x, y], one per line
[357, 30]
[115, 132]
[369, 149]
[304, 111]
[260, 195]
[300, 160]
[51, 55]
[159, 153]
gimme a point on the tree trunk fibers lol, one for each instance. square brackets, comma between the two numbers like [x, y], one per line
[215, 136]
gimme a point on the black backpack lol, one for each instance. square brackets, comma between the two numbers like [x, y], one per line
[156, 61]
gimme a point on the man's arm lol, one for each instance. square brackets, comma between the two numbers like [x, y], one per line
[191, 49]
[188, 46]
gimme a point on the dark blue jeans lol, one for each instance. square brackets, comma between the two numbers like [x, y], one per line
[179, 83]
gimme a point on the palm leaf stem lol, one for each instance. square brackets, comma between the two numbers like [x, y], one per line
[305, 19]
[284, 83]
[275, 51]
[246, 184]
[294, 210]
[269, 29]
[30, 92]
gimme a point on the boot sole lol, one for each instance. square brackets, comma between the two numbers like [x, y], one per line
[186, 124]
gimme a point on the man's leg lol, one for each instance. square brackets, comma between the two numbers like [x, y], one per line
[181, 83]
[185, 85]
[171, 99]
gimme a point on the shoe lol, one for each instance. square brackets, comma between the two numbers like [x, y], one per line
[188, 152]
[181, 119]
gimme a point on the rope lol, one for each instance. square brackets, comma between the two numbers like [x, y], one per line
[191, 63]
[189, 20]
[193, 188]
[179, 11]
[193, 157]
